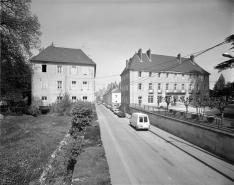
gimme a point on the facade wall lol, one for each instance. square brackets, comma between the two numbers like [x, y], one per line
[125, 91]
[45, 84]
[116, 98]
[199, 86]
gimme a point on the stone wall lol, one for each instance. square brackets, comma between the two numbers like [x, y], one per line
[216, 141]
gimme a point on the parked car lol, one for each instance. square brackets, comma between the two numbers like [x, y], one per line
[121, 114]
[108, 106]
[140, 121]
[116, 111]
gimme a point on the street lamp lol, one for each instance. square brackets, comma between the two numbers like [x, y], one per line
[227, 55]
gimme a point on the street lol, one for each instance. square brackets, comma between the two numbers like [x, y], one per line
[156, 157]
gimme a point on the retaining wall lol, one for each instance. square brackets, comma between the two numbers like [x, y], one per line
[216, 141]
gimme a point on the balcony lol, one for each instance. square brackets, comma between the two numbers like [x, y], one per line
[177, 91]
[151, 91]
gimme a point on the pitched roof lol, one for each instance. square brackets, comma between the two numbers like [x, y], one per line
[117, 90]
[162, 63]
[66, 55]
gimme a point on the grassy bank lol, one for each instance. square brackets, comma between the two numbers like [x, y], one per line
[26, 143]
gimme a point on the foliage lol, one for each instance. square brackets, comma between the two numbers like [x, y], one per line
[220, 84]
[210, 119]
[82, 115]
[229, 63]
[63, 107]
[20, 31]
[34, 108]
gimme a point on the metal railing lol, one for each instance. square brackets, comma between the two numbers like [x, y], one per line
[196, 118]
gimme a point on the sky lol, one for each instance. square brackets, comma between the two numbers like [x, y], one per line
[111, 31]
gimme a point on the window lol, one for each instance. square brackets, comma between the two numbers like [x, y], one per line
[151, 99]
[73, 85]
[205, 87]
[150, 86]
[43, 84]
[182, 76]
[190, 87]
[44, 68]
[175, 86]
[190, 77]
[167, 75]
[44, 100]
[59, 98]
[139, 73]
[139, 100]
[197, 76]
[59, 69]
[145, 119]
[159, 86]
[116, 96]
[159, 75]
[139, 86]
[174, 75]
[167, 86]
[85, 98]
[197, 87]
[85, 84]
[59, 84]
[73, 70]
[182, 86]
[150, 74]
[85, 70]
[141, 119]
[73, 98]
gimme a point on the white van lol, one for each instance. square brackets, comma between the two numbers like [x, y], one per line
[140, 121]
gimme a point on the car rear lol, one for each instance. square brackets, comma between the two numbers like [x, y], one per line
[143, 122]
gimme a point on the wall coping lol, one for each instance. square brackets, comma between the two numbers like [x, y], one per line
[188, 123]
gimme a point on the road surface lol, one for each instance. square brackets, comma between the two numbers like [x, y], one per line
[156, 157]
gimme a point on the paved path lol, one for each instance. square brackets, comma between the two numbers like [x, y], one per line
[157, 157]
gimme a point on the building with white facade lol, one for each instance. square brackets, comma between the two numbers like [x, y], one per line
[148, 77]
[63, 70]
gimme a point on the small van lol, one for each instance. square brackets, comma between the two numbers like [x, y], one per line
[140, 121]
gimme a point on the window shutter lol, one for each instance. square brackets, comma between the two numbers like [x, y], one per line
[70, 85]
[142, 87]
[70, 69]
[41, 83]
[46, 84]
[77, 70]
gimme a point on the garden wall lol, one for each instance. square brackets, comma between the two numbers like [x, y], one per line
[212, 140]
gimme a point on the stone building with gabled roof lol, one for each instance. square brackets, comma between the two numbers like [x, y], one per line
[148, 77]
[63, 70]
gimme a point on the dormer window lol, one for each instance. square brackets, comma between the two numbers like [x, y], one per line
[44, 68]
[150, 74]
[167, 75]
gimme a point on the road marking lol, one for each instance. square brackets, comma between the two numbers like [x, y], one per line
[169, 177]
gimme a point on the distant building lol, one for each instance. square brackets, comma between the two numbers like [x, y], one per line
[112, 94]
[63, 70]
[148, 78]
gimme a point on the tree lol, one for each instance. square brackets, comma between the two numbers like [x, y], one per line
[20, 32]
[186, 102]
[220, 84]
[229, 63]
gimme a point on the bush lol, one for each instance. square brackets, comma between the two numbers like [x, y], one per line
[210, 119]
[82, 114]
[194, 116]
[174, 112]
[34, 108]
[63, 107]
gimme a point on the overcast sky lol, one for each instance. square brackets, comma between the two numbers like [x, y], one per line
[110, 32]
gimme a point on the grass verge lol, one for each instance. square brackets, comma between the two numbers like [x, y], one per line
[26, 143]
[91, 166]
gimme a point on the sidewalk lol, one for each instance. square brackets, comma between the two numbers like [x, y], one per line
[209, 159]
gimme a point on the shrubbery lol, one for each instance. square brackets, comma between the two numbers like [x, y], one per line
[210, 119]
[64, 107]
[82, 115]
[34, 108]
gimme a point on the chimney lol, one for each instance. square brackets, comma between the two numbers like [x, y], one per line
[179, 58]
[126, 63]
[149, 54]
[192, 59]
[140, 53]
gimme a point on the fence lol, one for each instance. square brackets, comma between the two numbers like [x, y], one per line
[196, 118]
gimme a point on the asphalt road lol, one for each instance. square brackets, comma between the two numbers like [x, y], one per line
[156, 157]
